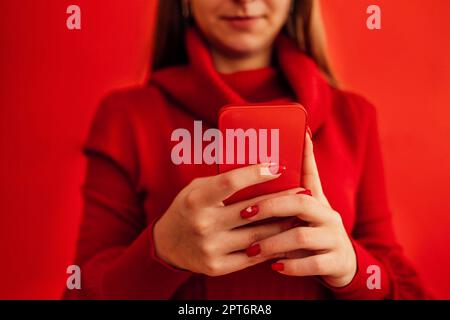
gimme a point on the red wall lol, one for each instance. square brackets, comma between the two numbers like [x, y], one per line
[404, 68]
[52, 80]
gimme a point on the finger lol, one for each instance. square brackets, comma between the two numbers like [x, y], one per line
[297, 254]
[297, 238]
[310, 174]
[236, 214]
[302, 206]
[239, 260]
[223, 185]
[316, 265]
[242, 238]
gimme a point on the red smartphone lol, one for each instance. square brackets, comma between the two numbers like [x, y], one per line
[263, 133]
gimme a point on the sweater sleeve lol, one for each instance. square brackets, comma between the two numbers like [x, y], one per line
[383, 272]
[115, 250]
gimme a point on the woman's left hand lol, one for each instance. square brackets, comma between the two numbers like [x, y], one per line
[321, 246]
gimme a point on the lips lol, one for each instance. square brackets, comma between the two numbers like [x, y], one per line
[241, 18]
[242, 22]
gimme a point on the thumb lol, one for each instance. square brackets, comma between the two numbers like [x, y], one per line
[310, 174]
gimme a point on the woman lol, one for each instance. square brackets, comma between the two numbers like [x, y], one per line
[154, 230]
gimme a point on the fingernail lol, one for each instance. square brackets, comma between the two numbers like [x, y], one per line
[253, 250]
[249, 212]
[276, 168]
[308, 129]
[277, 266]
[306, 191]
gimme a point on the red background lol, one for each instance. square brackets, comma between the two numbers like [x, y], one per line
[52, 80]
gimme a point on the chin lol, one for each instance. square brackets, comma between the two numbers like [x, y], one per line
[241, 45]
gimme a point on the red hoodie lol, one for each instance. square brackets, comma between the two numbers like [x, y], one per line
[131, 181]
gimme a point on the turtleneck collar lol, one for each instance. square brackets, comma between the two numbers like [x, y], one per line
[201, 90]
[259, 85]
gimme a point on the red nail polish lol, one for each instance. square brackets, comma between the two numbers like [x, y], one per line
[306, 191]
[253, 250]
[308, 129]
[249, 212]
[276, 168]
[277, 266]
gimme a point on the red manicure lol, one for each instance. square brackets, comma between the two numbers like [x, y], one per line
[306, 191]
[253, 250]
[276, 168]
[277, 266]
[249, 212]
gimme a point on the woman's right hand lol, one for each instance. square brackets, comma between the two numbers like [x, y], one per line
[201, 234]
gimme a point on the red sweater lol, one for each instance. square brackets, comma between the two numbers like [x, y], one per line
[131, 181]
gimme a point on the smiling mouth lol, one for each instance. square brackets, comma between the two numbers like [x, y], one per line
[242, 18]
[242, 22]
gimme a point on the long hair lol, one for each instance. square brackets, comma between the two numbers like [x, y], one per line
[304, 25]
